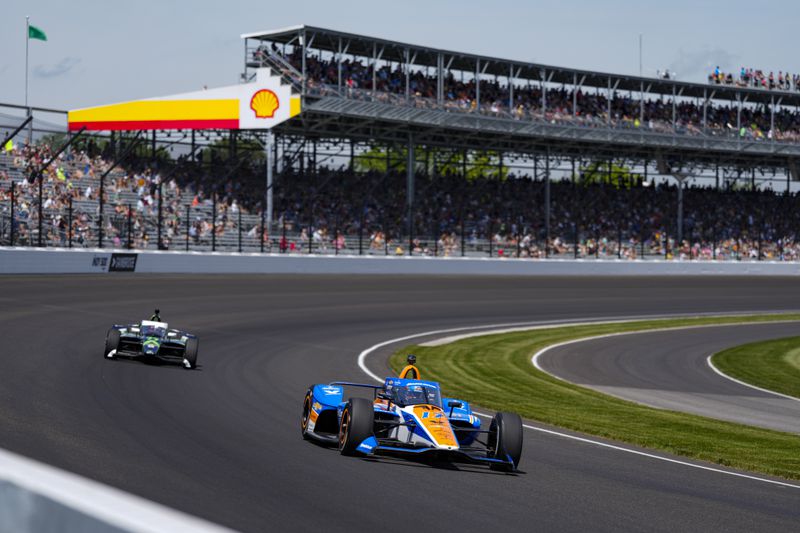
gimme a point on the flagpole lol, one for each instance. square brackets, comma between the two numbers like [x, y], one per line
[27, 42]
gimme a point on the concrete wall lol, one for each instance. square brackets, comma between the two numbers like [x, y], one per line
[38, 498]
[60, 261]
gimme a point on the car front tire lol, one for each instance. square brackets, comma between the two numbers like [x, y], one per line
[356, 425]
[112, 342]
[190, 353]
[505, 438]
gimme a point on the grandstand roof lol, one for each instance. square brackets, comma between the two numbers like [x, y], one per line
[366, 46]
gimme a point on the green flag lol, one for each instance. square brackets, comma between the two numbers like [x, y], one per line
[36, 33]
[9, 145]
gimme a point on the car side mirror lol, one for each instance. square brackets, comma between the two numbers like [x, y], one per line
[453, 404]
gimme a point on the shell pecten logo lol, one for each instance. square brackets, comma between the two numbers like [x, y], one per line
[264, 103]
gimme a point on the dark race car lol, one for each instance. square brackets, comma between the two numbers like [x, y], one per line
[154, 340]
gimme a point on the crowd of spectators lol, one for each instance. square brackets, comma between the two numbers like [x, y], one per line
[759, 79]
[591, 105]
[71, 193]
[339, 210]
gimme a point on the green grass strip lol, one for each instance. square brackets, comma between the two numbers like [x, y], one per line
[772, 365]
[495, 371]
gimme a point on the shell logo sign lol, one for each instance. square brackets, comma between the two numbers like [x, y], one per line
[258, 105]
[264, 103]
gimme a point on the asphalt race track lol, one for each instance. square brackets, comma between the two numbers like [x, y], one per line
[669, 369]
[223, 442]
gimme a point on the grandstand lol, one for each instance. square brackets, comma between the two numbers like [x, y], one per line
[402, 149]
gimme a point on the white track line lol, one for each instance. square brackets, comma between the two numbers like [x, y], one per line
[537, 355]
[748, 385]
[362, 357]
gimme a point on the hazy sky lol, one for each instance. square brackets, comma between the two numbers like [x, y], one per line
[103, 51]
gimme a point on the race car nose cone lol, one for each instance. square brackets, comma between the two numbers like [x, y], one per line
[150, 348]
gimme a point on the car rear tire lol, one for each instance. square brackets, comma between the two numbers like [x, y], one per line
[190, 353]
[112, 342]
[356, 425]
[306, 414]
[505, 440]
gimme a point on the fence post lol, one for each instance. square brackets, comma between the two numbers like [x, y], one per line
[336, 236]
[12, 212]
[462, 233]
[311, 231]
[261, 232]
[597, 242]
[285, 247]
[41, 209]
[491, 238]
[361, 232]
[188, 224]
[69, 227]
[100, 212]
[130, 227]
[214, 222]
[240, 231]
[641, 239]
[160, 210]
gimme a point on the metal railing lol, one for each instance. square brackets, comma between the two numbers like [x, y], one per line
[556, 117]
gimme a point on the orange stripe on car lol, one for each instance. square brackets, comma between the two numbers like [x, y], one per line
[437, 424]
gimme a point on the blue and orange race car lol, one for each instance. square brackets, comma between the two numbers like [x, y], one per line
[409, 417]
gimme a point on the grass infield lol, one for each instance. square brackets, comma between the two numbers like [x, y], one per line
[772, 365]
[495, 371]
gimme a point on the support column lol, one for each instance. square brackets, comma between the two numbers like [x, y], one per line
[574, 209]
[13, 220]
[408, 75]
[511, 89]
[674, 109]
[680, 209]
[547, 203]
[100, 211]
[575, 95]
[268, 189]
[738, 113]
[641, 103]
[339, 67]
[304, 37]
[705, 109]
[41, 208]
[410, 193]
[772, 117]
[352, 155]
[544, 95]
[478, 85]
